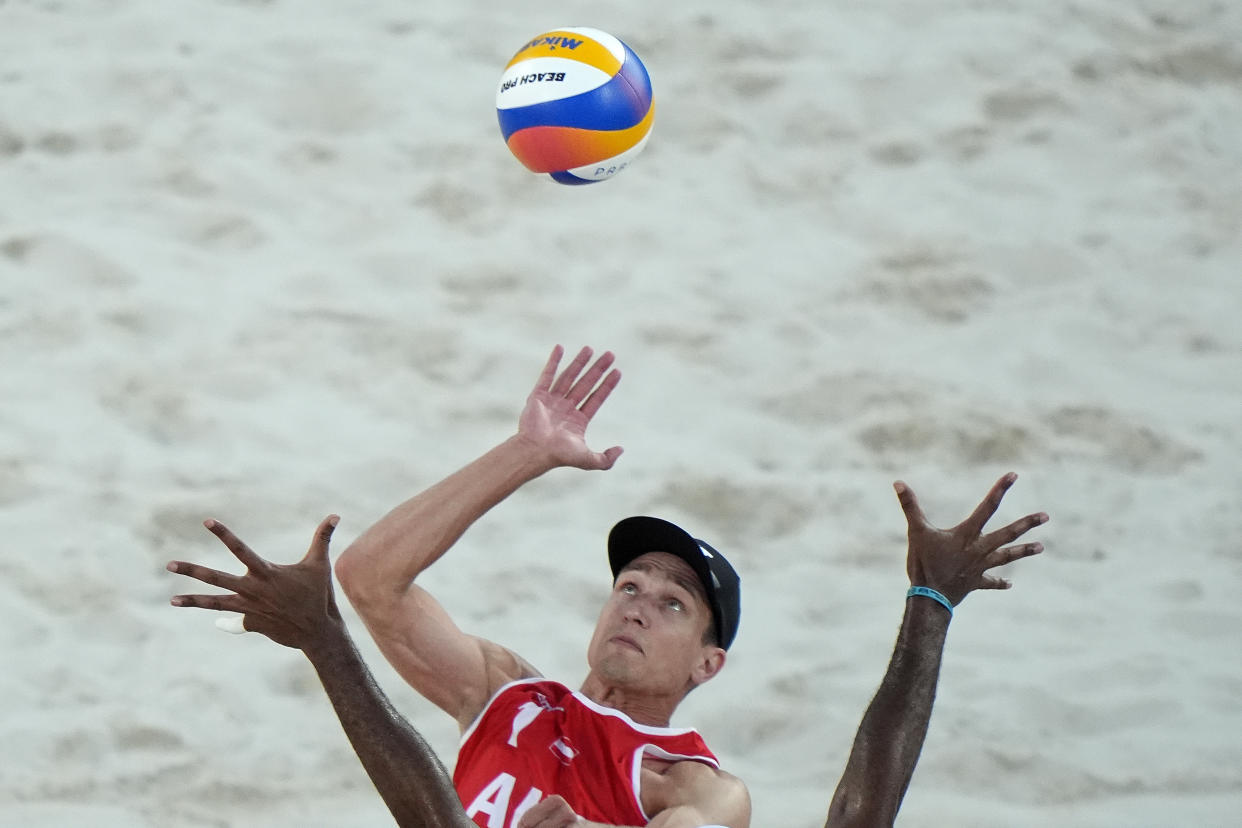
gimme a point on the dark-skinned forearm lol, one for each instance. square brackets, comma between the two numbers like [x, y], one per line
[891, 735]
[404, 769]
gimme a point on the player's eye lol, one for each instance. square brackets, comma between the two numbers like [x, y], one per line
[675, 605]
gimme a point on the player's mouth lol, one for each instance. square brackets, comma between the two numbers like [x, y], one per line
[626, 641]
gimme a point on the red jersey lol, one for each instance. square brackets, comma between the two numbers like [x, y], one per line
[538, 738]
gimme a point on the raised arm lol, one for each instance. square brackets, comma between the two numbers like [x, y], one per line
[294, 606]
[456, 671]
[952, 563]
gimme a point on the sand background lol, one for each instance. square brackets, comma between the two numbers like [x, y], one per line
[263, 261]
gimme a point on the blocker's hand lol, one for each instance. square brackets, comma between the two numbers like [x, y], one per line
[553, 812]
[955, 562]
[560, 407]
[292, 605]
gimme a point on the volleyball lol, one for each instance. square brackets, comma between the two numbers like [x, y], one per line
[575, 103]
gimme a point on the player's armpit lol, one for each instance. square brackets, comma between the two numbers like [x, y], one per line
[455, 671]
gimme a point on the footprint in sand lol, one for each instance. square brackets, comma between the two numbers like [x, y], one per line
[931, 281]
[1124, 445]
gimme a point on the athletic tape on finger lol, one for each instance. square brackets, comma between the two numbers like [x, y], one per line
[232, 624]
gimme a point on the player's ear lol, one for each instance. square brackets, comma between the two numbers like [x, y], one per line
[711, 661]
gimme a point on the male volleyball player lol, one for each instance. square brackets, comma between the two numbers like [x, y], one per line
[533, 750]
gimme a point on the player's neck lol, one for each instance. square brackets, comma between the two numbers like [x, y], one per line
[643, 707]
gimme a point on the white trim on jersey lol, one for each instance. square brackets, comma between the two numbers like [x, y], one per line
[650, 730]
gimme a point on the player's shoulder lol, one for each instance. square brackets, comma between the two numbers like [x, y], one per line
[708, 790]
[692, 775]
[707, 774]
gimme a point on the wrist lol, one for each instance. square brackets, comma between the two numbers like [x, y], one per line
[528, 456]
[920, 592]
[329, 641]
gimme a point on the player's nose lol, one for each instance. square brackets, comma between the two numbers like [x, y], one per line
[634, 612]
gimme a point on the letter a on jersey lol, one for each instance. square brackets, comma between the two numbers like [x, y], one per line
[494, 801]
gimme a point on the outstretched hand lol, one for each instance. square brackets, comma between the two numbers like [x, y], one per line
[292, 605]
[560, 407]
[955, 562]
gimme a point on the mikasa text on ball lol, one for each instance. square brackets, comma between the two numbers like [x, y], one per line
[575, 103]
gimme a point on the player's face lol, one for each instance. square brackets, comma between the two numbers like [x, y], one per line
[650, 631]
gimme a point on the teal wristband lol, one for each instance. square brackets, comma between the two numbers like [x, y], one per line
[928, 592]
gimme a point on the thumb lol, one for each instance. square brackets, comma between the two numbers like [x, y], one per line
[609, 458]
[318, 551]
[909, 505]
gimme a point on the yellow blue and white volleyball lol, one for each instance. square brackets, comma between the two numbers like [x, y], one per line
[575, 103]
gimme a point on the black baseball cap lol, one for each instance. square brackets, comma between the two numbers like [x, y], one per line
[639, 535]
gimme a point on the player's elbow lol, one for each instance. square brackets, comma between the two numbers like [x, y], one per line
[355, 576]
[374, 591]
